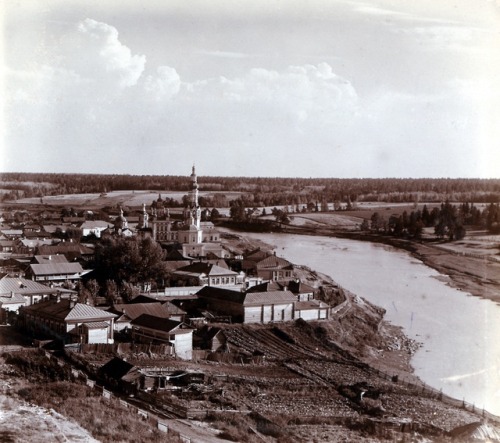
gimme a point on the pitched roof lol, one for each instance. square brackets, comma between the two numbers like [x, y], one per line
[137, 309]
[116, 368]
[274, 262]
[20, 285]
[47, 259]
[56, 268]
[208, 269]
[257, 255]
[64, 310]
[298, 287]
[249, 298]
[222, 294]
[64, 248]
[14, 298]
[270, 297]
[85, 312]
[160, 324]
[266, 286]
[93, 224]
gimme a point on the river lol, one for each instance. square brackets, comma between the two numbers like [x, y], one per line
[460, 333]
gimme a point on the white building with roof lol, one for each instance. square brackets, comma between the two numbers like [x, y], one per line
[69, 321]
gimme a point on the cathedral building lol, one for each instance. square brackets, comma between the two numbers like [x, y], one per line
[196, 238]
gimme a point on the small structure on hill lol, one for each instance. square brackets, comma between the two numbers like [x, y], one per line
[155, 330]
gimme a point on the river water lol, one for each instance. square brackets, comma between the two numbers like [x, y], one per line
[460, 333]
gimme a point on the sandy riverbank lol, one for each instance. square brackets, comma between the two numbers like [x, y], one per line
[470, 272]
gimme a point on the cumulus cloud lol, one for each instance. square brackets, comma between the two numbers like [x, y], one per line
[299, 93]
[96, 94]
[94, 52]
[164, 85]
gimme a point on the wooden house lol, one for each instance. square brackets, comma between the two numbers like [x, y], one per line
[156, 330]
[274, 268]
[54, 269]
[250, 307]
[203, 273]
[120, 374]
[68, 321]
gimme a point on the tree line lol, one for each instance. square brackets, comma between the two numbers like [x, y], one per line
[449, 221]
[259, 191]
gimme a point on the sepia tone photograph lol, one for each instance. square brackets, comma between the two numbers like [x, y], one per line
[250, 221]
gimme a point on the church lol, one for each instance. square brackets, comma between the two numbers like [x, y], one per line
[196, 239]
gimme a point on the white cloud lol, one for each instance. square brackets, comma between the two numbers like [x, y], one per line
[164, 85]
[95, 52]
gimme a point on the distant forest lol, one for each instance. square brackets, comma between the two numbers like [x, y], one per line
[260, 191]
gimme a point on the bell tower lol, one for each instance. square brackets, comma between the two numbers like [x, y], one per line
[194, 207]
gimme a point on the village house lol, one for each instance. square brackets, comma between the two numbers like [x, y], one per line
[73, 251]
[30, 291]
[120, 374]
[68, 321]
[94, 227]
[54, 269]
[156, 330]
[128, 312]
[274, 268]
[249, 307]
[203, 273]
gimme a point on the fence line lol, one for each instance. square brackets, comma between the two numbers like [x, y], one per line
[438, 394]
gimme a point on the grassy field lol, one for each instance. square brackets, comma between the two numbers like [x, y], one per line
[114, 198]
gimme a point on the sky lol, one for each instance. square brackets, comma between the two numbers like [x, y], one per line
[269, 88]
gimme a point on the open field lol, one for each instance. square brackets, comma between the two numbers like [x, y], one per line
[113, 198]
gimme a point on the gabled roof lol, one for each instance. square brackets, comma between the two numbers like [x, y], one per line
[221, 294]
[274, 262]
[56, 268]
[85, 312]
[257, 255]
[66, 310]
[208, 269]
[265, 287]
[20, 285]
[173, 265]
[176, 255]
[116, 368]
[249, 298]
[93, 224]
[160, 324]
[34, 243]
[271, 297]
[137, 309]
[65, 248]
[47, 259]
[298, 287]
[6, 299]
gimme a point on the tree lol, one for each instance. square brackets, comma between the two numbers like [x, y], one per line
[365, 226]
[378, 222]
[111, 292]
[237, 210]
[214, 215]
[133, 260]
[282, 217]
